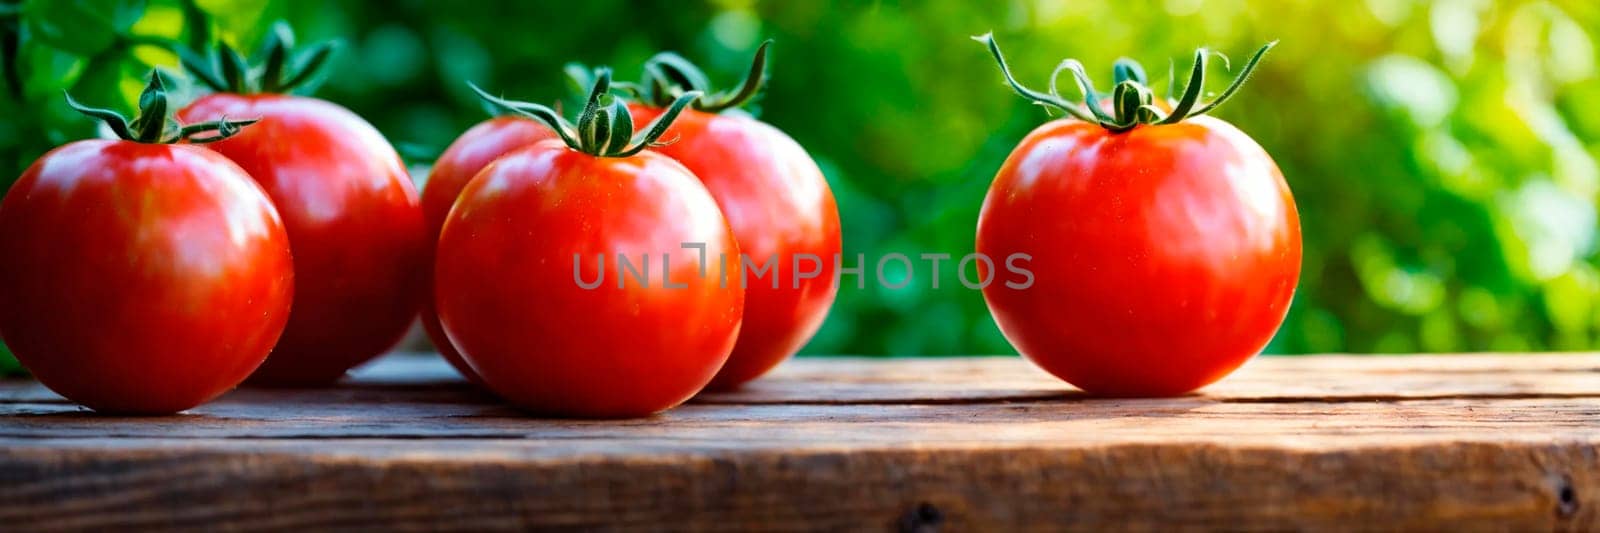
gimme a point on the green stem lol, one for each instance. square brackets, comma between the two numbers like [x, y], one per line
[1052, 99]
[1191, 90]
[605, 127]
[153, 124]
[668, 76]
[1238, 81]
[1133, 102]
[280, 69]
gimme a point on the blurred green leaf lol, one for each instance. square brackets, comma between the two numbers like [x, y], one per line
[49, 71]
[83, 27]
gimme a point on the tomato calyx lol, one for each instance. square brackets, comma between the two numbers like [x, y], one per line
[604, 128]
[280, 71]
[1132, 102]
[668, 76]
[154, 125]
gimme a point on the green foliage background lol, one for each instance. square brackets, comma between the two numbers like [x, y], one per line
[1443, 154]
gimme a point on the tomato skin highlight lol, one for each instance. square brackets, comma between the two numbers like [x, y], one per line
[1164, 257]
[507, 295]
[354, 221]
[779, 205]
[141, 278]
[466, 156]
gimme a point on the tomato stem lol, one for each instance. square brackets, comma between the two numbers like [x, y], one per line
[154, 125]
[668, 76]
[1132, 101]
[605, 127]
[280, 71]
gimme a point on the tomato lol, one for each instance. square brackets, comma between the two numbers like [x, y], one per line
[529, 234]
[1162, 248]
[780, 208]
[473, 150]
[354, 221]
[142, 278]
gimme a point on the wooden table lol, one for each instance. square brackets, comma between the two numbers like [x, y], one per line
[967, 444]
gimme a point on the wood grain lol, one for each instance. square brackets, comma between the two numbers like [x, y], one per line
[965, 444]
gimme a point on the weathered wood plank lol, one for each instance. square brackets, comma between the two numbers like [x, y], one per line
[699, 427]
[1334, 378]
[1441, 443]
[846, 380]
[477, 485]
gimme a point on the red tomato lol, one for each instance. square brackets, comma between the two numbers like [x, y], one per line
[354, 222]
[465, 157]
[779, 205]
[1163, 255]
[780, 208]
[141, 278]
[507, 296]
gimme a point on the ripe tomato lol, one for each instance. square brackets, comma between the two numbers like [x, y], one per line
[780, 208]
[141, 278]
[1164, 251]
[353, 217]
[511, 295]
[465, 157]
